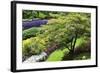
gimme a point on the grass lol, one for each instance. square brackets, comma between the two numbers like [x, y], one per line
[57, 55]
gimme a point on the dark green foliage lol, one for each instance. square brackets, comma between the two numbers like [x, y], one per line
[30, 32]
[28, 14]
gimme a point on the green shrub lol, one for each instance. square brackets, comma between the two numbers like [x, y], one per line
[33, 46]
[30, 32]
[26, 47]
[38, 45]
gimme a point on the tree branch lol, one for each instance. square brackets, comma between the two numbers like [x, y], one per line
[74, 42]
[68, 48]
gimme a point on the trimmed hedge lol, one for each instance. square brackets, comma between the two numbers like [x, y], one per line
[30, 32]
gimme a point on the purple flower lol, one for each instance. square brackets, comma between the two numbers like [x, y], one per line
[34, 23]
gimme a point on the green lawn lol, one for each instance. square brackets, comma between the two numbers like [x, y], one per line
[57, 55]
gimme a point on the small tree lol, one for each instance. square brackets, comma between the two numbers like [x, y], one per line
[64, 32]
[78, 26]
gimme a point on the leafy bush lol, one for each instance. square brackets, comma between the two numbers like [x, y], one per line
[26, 47]
[38, 45]
[33, 46]
[27, 14]
[30, 32]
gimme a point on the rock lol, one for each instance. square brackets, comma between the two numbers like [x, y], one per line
[36, 58]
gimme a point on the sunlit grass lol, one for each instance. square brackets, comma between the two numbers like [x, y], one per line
[57, 55]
